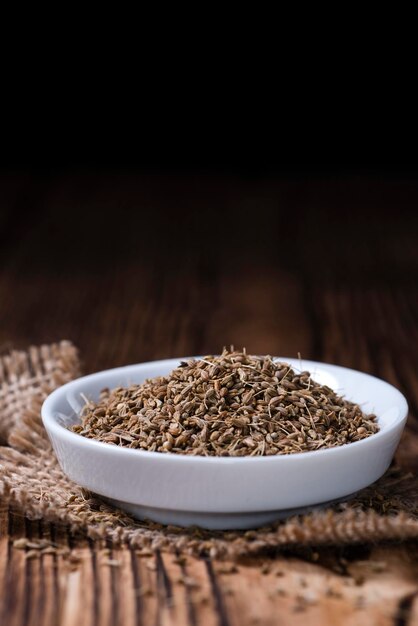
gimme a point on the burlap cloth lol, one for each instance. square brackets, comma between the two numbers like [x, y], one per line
[32, 483]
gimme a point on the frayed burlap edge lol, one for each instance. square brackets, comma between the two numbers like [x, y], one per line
[26, 375]
[32, 483]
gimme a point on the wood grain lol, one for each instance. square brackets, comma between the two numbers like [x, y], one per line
[134, 267]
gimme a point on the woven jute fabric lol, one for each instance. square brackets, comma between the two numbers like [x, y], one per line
[32, 483]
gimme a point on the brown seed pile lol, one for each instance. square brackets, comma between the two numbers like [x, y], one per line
[229, 405]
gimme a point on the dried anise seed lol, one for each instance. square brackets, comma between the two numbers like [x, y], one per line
[229, 405]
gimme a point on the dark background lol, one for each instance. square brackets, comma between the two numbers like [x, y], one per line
[139, 247]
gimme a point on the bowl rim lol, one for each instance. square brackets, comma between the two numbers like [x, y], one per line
[53, 426]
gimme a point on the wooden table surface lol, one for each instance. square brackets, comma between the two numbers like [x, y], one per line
[135, 267]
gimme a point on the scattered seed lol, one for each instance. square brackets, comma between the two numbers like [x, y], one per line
[32, 554]
[188, 581]
[144, 591]
[144, 553]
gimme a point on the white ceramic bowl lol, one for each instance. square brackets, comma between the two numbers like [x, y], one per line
[223, 492]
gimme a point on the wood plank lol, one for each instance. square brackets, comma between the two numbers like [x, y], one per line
[4, 558]
[17, 589]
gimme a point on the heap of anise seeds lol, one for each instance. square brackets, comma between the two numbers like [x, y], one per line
[234, 404]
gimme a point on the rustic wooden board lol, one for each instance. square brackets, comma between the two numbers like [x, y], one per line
[134, 268]
[91, 585]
